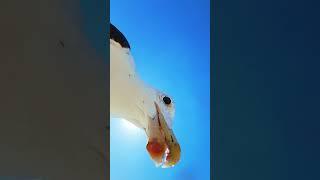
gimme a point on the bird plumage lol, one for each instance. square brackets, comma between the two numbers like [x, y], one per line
[139, 103]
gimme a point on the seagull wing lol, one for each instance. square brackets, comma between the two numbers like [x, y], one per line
[118, 39]
[117, 36]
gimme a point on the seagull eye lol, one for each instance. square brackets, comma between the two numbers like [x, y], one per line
[166, 100]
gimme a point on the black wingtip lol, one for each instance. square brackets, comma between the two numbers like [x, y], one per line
[117, 36]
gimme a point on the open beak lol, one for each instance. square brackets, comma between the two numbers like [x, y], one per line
[162, 146]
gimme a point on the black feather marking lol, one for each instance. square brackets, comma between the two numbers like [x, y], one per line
[117, 36]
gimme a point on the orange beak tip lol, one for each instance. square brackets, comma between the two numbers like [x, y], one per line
[156, 150]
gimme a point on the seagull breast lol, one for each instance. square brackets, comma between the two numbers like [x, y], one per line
[129, 95]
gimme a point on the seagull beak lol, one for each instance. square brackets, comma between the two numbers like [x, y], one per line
[162, 146]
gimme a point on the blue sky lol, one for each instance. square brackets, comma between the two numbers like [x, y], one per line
[170, 42]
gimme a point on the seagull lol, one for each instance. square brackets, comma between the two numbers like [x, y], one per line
[139, 103]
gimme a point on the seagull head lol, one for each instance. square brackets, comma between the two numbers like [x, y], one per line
[162, 145]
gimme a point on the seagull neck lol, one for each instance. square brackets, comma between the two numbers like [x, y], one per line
[148, 98]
